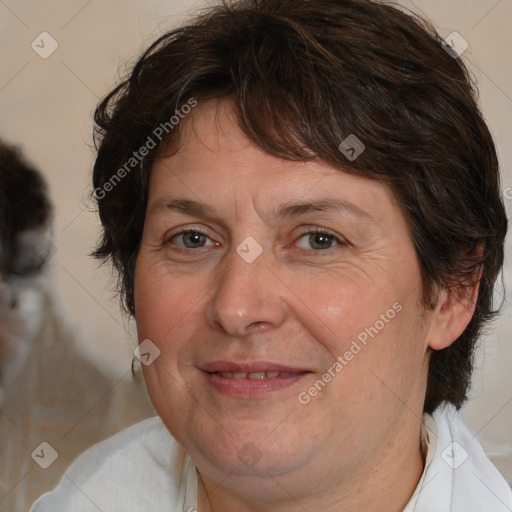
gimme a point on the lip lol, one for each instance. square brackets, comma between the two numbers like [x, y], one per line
[249, 367]
[251, 388]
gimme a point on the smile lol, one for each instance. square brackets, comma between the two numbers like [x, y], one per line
[256, 375]
[252, 385]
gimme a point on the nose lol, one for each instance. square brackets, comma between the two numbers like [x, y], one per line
[248, 297]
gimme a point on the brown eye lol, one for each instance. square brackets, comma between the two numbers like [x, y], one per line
[320, 240]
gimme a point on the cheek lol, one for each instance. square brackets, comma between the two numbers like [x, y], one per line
[374, 330]
[164, 314]
[335, 313]
[386, 359]
[158, 302]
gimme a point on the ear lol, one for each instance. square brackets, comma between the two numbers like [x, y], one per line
[454, 310]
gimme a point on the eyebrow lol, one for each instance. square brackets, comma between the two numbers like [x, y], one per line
[195, 208]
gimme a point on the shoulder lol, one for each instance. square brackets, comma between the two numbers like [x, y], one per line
[137, 469]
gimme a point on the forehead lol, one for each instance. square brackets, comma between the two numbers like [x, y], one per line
[213, 160]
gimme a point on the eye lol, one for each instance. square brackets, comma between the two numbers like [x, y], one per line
[320, 239]
[191, 239]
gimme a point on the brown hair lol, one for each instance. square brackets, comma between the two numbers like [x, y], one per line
[303, 75]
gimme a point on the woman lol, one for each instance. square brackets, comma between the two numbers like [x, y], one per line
[302, 201]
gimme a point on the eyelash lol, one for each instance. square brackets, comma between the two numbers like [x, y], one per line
[310, 231]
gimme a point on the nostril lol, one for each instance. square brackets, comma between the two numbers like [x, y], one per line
[13, 304]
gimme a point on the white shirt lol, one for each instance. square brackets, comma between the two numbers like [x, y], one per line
[144, 469]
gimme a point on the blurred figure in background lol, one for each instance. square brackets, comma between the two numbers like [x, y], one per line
[50, 392]
[25, 247]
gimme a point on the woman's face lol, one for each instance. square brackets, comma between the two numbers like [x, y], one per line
[286, 267]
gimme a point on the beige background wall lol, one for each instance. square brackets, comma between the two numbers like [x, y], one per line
[46, 106]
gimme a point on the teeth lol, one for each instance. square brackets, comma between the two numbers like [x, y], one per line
[255, 375]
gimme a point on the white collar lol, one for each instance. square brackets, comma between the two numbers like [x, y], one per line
[458, 476]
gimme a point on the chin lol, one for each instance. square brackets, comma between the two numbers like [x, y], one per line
[250, 454]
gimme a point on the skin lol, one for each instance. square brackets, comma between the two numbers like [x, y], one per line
[356, 444]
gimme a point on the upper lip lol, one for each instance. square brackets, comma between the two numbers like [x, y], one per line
[249, 367]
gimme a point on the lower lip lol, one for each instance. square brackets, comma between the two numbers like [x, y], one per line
[251, 388]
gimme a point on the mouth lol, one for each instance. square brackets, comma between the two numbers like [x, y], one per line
[251, 380]
[256, 375]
